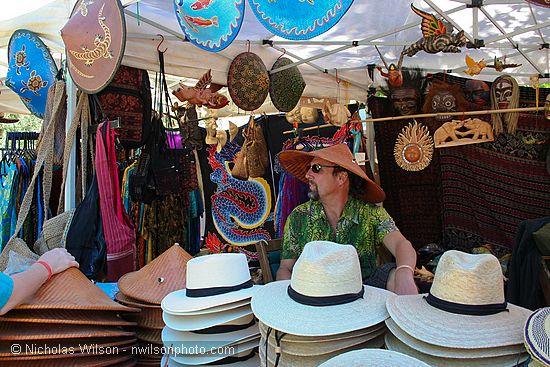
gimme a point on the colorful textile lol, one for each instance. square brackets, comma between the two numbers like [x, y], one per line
[7, 198]
[6, 288]
[299, 19]
[208, 24]
[363, 225]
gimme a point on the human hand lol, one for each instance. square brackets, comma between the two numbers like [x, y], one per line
[404, 284]
[59, 260]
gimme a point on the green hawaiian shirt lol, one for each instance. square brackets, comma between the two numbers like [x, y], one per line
[363, 225]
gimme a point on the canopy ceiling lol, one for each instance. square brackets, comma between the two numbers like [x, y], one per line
[512, 28]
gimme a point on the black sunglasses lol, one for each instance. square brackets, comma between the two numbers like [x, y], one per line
[315, 168]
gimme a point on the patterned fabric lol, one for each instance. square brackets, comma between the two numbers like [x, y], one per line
[286, 86]
[299, 19]
[363, 225]
[7, 199]
[31, 70]
[248, 81]
[208, 24]
[6, 288]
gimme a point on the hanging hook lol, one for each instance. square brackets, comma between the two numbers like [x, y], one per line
[161, 41]
[247, 45]
[284, 52]
[337, 79]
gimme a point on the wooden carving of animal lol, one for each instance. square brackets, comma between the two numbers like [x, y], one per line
[204, 93]
[440, 43]
[479, 129]
[446, 131]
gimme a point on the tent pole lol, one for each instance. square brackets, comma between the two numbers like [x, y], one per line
[70, 181]
[522, 30]
[156, 25]
[448, 19]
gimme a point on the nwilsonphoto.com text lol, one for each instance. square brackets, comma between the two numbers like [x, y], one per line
[96, 349]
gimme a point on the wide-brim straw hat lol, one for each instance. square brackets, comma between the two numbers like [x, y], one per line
[207, 358]
[49, 331]
[467, 282]
[203, 321]
[297, 163]
[130, 302]
[215, 309]
[254, 361]
[325, 271]
[212, 280]
[72, 290]
[392, 343]
[445, 352]
[187, 339]
[536, 335]
[77, 317]
[149, 335]
[154, 281]
[148, 318]
[18, 250]
[83, 361]
[373, 358]
[285, 86]
[94, 68]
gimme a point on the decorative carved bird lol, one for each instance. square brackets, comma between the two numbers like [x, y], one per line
[474, 68]
[431, 25]
[501, 65]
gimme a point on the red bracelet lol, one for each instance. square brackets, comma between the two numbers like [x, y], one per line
[48, 268]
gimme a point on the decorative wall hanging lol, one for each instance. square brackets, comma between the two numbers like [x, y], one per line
[335, 114]
[94, 37]
[477, 92]
[209, 24]
[406, 98]
[299, 20]
[462, 132]
[436, 36]
[31, 70]
[248, 81]
[474, 67]
[394, 75]
[501, 65]
[413, 149]
[285, 86]
[202, 94]
[443, 98]
[504, 95]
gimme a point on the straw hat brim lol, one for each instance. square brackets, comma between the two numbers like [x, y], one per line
[107, 318]
[373, 357]
[206, 358]
[78, 346]
[148, 318]
[272, 306]
[49, 331]
[186, 339]
[297, 163]
[149, 335]
[177, 302]
[289, 360]
[430, 325]
[252, 362]
[125, 300]
[536, 337]
[215, 309]
[392, 343]
[198, 322]
[444, 352]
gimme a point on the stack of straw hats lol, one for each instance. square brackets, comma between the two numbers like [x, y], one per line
[145, 290]
[211, 322]
[536, 337]
[463, 321]
[374, 358]
[323, 311]
[68, 322]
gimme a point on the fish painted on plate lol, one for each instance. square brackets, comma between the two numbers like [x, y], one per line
[201, 4]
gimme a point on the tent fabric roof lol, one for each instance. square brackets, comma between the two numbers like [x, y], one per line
[390, 24]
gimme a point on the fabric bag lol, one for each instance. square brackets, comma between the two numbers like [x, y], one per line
[256, 149]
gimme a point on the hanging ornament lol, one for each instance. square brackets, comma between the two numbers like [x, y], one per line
[413, 149]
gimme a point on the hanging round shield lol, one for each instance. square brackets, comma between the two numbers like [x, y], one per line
[248, 81]
[285, 86]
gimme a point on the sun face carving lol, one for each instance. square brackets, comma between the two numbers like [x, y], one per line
[414, 147]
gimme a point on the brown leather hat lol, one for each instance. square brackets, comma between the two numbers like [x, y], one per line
[297, 163]
[94, 37]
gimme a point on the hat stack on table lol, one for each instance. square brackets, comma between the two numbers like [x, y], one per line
[374, 358]
[211, 322]
[68, 322]
[536, 337]
[323, 311]
[463, 321]
[145, 290]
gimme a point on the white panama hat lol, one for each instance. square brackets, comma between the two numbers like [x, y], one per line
[253, 361]
[229, 351]
[536, 335]
[328, 275]
[437, 351]
[465, 308]
[212, 280]
[215, 309]
[203, 321]
[392, 343]
[373, 358]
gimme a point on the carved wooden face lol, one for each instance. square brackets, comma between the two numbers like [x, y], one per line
[309, 115]
[444, 101]
[503, 91]
[477, 92]
[405, 101]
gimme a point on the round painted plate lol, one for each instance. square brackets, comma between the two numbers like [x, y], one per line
[31, 70]
[210, 24]
[299, 19]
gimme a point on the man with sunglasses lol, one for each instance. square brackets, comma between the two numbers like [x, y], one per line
[342, 208]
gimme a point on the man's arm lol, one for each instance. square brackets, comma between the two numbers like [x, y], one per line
[285, 269]
[401, 281]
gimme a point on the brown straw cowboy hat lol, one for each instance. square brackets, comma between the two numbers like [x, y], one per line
[297, 164]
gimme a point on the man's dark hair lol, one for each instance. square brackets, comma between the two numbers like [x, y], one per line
[357, 184]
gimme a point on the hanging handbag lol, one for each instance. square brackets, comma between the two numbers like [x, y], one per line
[256, 149]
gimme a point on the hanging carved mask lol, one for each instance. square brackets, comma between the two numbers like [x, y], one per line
[547, 107]
[444, 101]
[405, 101]
[477, 92]
[503, 92]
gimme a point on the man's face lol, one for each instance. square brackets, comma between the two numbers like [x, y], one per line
[405, 101]
[323, 182]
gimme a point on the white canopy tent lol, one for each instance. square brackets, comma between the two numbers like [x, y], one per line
[512, 28]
